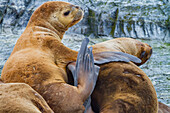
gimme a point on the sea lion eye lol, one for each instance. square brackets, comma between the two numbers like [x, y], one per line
[67, 13]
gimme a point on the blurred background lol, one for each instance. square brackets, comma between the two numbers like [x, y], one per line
[144, 20]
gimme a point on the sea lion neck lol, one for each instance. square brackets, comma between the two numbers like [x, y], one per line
[45, 26]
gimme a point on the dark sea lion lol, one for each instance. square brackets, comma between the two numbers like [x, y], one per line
[126, 45]
[21, 98]
[123, 88]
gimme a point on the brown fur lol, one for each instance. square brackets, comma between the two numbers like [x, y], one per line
[126, 45]
[21, 98]
[123, 88]
[39, 58]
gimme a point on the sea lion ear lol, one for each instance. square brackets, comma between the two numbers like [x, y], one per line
[106, 57]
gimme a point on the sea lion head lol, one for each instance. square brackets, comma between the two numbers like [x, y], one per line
[61, 15]
[145, 52]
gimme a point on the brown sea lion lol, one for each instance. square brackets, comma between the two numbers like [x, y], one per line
[21, 98]
[40, 59]
[123, 87]
[126, 45]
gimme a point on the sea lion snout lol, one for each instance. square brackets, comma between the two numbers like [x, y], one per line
[145, 53]
[77, 13]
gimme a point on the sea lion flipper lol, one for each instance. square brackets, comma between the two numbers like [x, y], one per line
[106, 57]
[74, 66]
[85, 73]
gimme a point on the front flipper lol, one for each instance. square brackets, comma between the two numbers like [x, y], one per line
[106, 57]
[85, 73]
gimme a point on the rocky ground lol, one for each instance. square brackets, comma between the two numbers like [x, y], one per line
[144, 19]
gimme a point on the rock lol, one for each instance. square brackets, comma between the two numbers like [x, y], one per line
[138, 19]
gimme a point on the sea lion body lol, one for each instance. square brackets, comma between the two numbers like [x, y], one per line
[21, 98]
[39, 58]
[39, 48]
[123, 87]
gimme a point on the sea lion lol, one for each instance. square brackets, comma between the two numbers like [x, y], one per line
[123, 87]
[21, 98]
[127, 45]
[40, 59]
